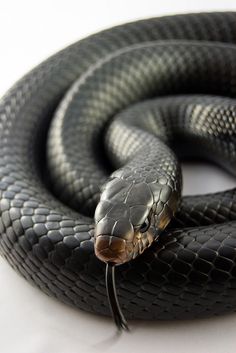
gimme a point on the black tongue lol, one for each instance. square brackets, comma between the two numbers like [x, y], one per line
[116, 312]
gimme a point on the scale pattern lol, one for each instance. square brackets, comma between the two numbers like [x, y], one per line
[53, 163]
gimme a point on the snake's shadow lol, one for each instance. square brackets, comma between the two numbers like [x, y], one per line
[108, 342]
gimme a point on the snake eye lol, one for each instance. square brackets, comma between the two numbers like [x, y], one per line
[144, 227]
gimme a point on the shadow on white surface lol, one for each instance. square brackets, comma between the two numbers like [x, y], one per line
[201, 178]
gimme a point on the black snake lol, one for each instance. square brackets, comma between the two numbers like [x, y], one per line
[146, 89]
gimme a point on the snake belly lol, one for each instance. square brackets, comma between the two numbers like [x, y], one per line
[173, 77]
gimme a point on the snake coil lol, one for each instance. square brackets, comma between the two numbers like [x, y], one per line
[152, 86]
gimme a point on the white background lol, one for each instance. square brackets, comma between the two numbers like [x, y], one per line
[30, 322]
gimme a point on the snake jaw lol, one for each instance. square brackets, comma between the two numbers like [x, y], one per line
[111, 249]
[141, 242]
[116, 250]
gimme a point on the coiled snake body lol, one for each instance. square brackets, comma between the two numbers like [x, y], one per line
[152, 86]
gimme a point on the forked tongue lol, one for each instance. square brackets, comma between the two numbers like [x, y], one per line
[116, 312]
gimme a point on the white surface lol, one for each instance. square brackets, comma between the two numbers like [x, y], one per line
[30, 322]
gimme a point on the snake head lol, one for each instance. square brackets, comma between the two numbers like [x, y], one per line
[123, 227]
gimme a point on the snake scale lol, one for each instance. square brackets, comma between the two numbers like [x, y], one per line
[99, 127]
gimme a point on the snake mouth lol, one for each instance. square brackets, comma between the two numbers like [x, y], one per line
[112, 249]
